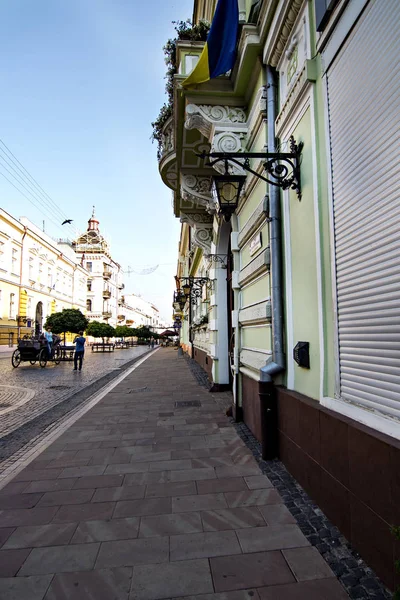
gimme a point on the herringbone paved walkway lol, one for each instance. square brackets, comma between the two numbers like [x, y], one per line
[146, 498]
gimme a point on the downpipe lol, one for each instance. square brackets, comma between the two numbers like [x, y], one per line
[267, 392]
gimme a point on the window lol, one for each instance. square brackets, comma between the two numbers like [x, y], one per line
[31, 269]
[89, 286]
[40, 272]
[1, 254]
[49, 278]
[89, 266]
[89, 305]
[190, 63]
[12, 306]
[14, 260]
[29, 307]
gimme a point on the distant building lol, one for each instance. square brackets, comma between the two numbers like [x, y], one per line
[142, 313]
[38, 277]
[104, 284]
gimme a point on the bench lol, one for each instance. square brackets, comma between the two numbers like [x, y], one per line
[67, 352]
[102, 347]
[121, 345]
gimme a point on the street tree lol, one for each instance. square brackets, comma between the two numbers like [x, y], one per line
[70, 320]
[100, 330]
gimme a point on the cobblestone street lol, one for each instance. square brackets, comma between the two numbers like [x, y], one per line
[153, 495]
[32, 398]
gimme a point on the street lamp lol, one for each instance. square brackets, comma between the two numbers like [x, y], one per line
[282, 170]
[192, 287]
[228, 189]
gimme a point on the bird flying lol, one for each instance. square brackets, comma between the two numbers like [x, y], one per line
[69, 221]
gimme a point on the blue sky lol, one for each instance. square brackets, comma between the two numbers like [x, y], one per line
[81, 81]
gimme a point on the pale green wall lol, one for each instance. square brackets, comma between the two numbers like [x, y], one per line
[245, 253]
[255, 292]
[304, 267]
[257, 337]
[251, 203]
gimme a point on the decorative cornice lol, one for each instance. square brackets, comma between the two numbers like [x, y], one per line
[257, 266]
[286, 30]
[212, 115]
[257, 217]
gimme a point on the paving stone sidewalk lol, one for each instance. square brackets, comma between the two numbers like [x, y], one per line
[152, 495]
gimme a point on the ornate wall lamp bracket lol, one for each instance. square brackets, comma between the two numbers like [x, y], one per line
[192, 287]
[282, 168]
[217, 258]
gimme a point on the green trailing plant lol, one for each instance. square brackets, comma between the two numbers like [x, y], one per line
[184, 31]
[395, 530]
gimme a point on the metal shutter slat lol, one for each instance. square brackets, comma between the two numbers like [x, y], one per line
[364, 109]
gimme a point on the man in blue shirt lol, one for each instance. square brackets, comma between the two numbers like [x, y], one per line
[79, 350]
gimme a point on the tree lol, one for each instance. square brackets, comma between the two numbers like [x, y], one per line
[144, 333]
[123, 331]
[100, 330]
[69, 319]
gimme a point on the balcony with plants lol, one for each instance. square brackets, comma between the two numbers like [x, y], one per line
[189, 41]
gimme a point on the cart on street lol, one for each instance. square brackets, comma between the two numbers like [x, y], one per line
[34, 349]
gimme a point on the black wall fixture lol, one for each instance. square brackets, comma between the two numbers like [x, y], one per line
[301, 354]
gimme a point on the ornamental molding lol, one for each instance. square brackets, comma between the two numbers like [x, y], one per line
[225, 127]
[287, 25]
[257, 266]
[207, 116]
[202, 225]
[198, 190]
[256, 218]
[258, 313]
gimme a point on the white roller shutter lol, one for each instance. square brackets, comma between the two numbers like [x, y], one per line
[364, 115]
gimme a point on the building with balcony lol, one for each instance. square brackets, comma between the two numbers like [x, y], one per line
[302, 295]
[104, 274]
[38, 277]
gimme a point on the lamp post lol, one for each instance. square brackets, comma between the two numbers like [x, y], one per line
[282, 170]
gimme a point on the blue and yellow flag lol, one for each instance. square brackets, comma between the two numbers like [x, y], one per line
[219, 52]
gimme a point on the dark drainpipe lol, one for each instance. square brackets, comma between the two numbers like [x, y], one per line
[269, 416]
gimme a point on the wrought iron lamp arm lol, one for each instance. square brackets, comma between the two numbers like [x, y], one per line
[283, 168]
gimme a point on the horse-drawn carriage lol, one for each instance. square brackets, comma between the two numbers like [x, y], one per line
[34, 349]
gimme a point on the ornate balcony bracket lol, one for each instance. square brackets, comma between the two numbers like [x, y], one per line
[198, 191]
[225, 127]
[202, 225]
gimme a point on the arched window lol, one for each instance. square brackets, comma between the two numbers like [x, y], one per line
[89, 305]
[12, 306]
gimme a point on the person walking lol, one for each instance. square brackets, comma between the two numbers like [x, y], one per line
[79, 350]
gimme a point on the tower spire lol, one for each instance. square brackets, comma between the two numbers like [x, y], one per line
[93, 223]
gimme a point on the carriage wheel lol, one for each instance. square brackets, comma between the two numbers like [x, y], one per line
[57, 356]
[33, 362]
[16, 359]
[43, 357]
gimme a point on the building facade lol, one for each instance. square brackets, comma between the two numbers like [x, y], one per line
[104, 284]
[38, 277]
[299, 313]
